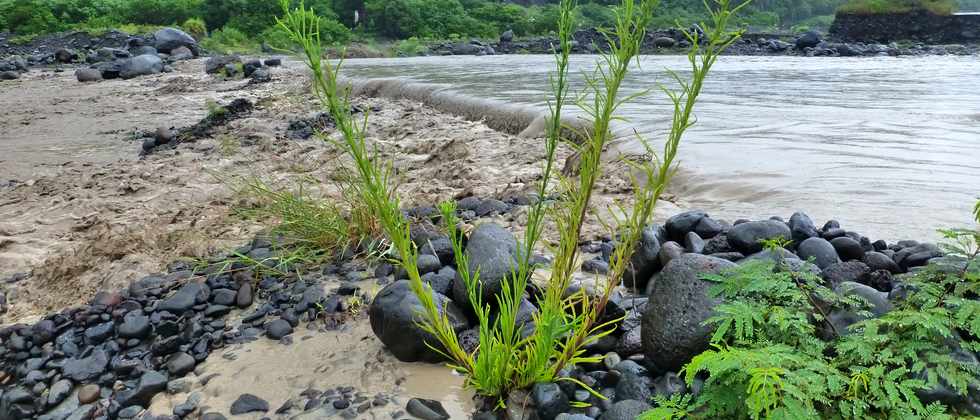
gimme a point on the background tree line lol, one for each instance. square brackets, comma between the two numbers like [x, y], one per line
[248, 20]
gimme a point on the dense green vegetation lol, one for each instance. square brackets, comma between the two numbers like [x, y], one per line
[869, 7]
[251, 21]
[776, 354]
[243, 24]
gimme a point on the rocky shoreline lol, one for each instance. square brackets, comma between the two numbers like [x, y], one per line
[110, 357]
[117, 54]
[810, 44]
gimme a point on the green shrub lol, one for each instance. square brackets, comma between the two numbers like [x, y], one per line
[591, 15]
[229, 40]
[768, 359]
[28, 17]
[160, 12]
[872, 7]
[195, 27]
[543, 19]
[401, 19]
[822, 22]
[254, 16]
[410, 47]
[502, 17]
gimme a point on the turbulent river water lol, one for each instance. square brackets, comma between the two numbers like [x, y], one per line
[888, 146]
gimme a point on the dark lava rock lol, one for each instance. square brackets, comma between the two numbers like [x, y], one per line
[99, 333]
[248, 403]
[186, 297]
[820, 250]
[708, 228]
[916, 256]
[491, 207]
[718, 244]
[141, 65]
[668, 384]
[442, 281]
[273, 62]
[747, 237]
[645, 260]
[217, 63]
[678, 303]
[625, 410]
[693, 243]
[802, 227]
[678, 225]
[549, 400]
[441, 247]
[44, 331]
[428, 263]
[88, 75]
[130, 412]
[633, 387]
[393, 319]
[88, 368]
[808, 40]
[244, 297]
[669, 251]
[492, 250]
[224, 297]
[848, 248]
[426, 409]
[150, 384]
[251, 66]
[168, 39]
[842, 319]
[278, 329]
[854, 271]
[879, 261]
[595, 266]
[180, 364]
[9, 75]
[134, 325]
[59, 391]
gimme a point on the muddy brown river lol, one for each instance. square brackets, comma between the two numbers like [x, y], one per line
[888, 146]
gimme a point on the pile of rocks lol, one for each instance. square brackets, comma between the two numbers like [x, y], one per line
[217, 117]
[140, 57]
[109, 357]
[232, 66]
[663, 304]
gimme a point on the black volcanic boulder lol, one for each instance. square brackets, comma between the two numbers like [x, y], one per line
[168, 39]
[141, 65]
[679, 302]
[808, 40]
[678, 225]
[645, 260]
[493, 251]
[820, 250]
[394, 315]
[747, 237]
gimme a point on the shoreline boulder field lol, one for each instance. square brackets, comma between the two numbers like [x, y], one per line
[110, 357]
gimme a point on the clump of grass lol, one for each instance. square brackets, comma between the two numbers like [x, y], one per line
[303, 219]
[875, 7]
[228, 145]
